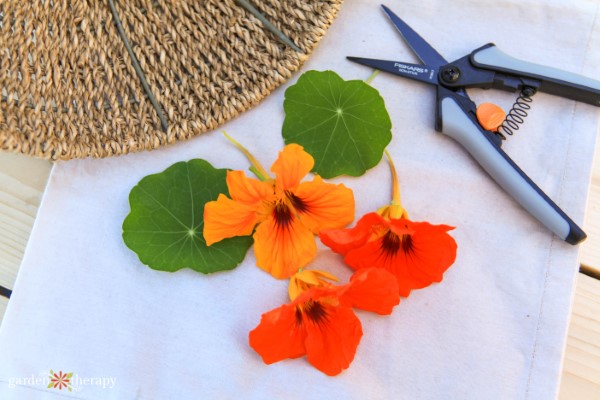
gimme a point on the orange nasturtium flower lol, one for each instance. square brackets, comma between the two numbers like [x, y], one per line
[286, 212]
[320, 322]
[306, 279]
[417, 253]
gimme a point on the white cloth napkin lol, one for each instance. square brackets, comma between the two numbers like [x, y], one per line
[495, 328]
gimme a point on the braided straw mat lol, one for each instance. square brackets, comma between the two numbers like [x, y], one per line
[70, 90]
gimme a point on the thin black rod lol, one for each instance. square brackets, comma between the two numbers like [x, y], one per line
[138, 69]
[246, 4]
[5, 292]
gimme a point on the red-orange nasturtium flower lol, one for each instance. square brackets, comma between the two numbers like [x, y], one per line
[286, 212]
[320, 322]
[303, 280]
[417, 253]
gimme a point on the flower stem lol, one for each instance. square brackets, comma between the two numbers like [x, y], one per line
[370, 78]
[256, 168]
[396, 210]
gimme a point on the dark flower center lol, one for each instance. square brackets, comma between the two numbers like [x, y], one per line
[313, 310]
[283, 214]
[296, 202]
[392, 243]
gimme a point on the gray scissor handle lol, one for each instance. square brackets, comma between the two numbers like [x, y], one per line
[552, 80]
[457, 124]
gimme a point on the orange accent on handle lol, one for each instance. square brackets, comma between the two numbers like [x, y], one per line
[490, 116]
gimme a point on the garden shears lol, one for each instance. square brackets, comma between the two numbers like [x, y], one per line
[457, 115]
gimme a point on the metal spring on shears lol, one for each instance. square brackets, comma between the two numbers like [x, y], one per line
[518, 112]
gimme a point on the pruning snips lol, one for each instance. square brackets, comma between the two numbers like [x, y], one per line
[457, 116]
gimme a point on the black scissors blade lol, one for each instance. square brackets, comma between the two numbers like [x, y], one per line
[419, 72]
[423, 50]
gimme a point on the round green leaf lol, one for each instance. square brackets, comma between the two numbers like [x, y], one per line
[166, 220]
[344, 125]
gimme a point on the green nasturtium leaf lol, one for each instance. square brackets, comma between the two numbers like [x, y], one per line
[166, 220]
[344, 125]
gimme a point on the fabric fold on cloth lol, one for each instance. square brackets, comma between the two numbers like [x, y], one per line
[494, 328]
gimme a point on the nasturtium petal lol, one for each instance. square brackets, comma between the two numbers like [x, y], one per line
[344, 125]
[164, 227]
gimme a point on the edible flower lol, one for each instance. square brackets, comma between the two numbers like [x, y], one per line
[417, 253]
[306, 279]
[320, 322]
[283, 212]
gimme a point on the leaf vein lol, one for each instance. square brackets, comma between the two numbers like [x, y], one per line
[163, 207]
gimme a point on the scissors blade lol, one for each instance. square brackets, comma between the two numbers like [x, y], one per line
[419, 72]
[423, 50]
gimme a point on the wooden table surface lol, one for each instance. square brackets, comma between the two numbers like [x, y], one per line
[22, 182]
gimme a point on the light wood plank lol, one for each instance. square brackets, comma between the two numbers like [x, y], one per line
[581, 371]
[30, 171]
[590, 249]
[3, 304]
[22, 182]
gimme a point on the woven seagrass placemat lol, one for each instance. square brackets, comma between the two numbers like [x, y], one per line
[70, 88]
